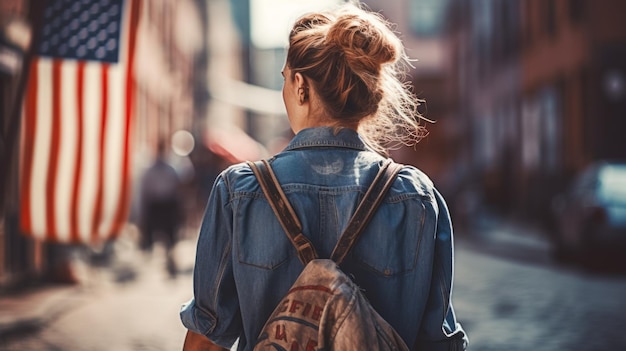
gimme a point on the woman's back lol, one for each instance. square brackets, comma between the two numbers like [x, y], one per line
[324, 177]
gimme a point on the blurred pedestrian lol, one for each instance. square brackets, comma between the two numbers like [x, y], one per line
[161, 205]
[207, 165]
[346, 102]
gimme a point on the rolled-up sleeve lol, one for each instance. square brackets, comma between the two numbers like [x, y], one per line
[213, 310]
[440, 329]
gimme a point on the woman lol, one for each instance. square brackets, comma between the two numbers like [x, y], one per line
[346, 104]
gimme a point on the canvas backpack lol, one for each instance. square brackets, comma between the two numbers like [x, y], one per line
[324, 309]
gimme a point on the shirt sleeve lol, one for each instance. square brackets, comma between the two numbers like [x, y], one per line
[214, 309]
[439, 329]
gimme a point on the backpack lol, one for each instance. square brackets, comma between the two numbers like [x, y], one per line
[324, 309]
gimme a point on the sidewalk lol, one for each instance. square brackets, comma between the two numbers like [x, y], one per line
[512, 230]
[28, 309]
[509, 237]
[31, 309]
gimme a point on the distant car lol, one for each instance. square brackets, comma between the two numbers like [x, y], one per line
[590, 216]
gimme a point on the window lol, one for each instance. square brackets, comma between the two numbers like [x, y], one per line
[549, 16]
[577, 10]
[428, 17]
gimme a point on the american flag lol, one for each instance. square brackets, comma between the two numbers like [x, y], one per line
[77, 118]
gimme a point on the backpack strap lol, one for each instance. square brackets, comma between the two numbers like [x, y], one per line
[283, 210]
[289, 220]
[364, 212]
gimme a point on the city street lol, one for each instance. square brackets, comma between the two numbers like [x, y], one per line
[508, 295]
[117, 117]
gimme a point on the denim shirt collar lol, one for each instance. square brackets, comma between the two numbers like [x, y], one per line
[327, 137]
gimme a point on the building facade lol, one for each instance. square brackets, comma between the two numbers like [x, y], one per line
[541, 88]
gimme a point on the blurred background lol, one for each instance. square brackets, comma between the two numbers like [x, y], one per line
[527, 147]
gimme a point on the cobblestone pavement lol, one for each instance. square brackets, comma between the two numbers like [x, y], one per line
[510, 295]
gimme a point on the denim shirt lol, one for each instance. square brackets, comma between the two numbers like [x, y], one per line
[403, 261]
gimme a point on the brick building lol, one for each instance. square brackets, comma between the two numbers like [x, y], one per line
[541, 90]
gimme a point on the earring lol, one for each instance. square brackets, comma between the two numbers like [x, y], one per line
[303, 94]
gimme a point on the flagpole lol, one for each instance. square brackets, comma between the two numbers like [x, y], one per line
[7, 156]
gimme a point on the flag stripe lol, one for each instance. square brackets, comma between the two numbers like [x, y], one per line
[41, 140]
[80, 103]
[66, 159]
[29, 128]
[97, 216]
[53, 156]
[111, 152]
[91, 122]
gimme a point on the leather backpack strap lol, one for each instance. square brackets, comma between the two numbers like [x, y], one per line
[366, 208]
[283, 210]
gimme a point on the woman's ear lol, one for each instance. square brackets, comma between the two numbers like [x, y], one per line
[302, 88]
[299, 80]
